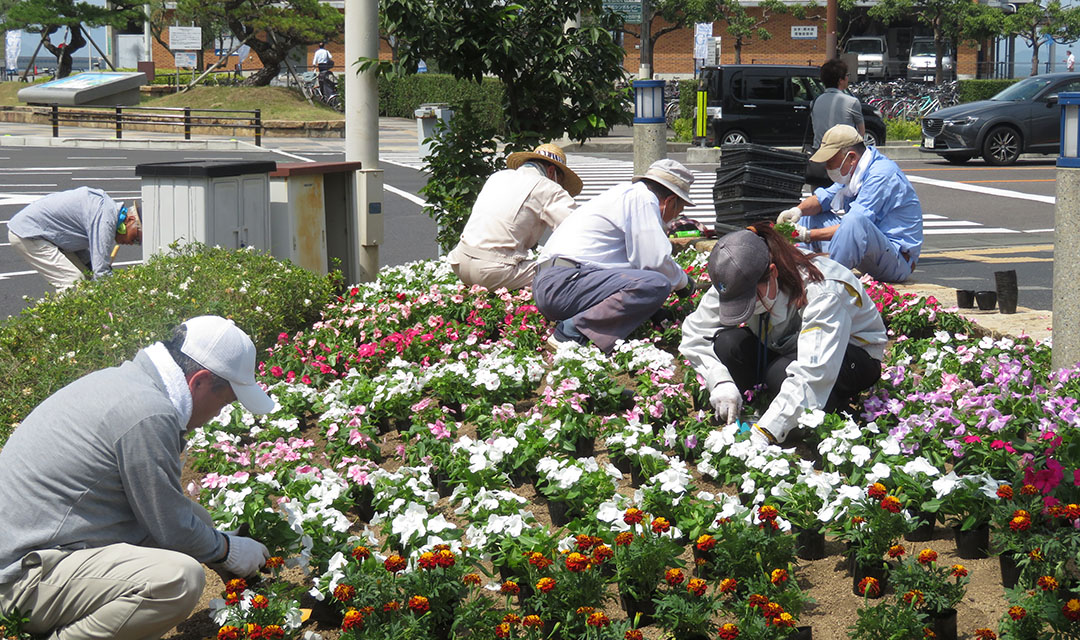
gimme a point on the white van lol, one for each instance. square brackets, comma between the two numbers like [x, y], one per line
[922, 61]
[873, 52]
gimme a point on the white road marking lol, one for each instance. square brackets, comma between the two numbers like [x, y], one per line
[989, 191]
[1051, 229]
[405, 194]
[271, 150]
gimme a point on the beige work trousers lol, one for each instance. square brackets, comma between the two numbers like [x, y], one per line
[61, 268]
[472, 267]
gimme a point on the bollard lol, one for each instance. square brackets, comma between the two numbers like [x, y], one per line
[1005, 283]
[119, 121]
[258, 127]
[55, 120]
[187, 123]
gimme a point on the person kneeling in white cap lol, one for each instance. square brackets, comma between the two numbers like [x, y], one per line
[799, 323]
[608, 267]
[99, 539]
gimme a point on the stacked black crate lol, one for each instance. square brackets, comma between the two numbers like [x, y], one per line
[755, 183]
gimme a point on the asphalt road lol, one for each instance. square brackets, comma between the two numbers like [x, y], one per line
[979, 219]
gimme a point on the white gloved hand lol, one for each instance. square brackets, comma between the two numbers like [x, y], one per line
[727, 401]
[245, 557]
[791, 215]
[802, 234]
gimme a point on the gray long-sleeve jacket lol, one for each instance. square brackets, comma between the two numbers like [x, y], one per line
[98, 463]
[81, 221]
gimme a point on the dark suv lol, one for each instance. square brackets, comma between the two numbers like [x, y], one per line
[769, 104]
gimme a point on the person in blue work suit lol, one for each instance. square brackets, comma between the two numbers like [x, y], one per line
[870, 219]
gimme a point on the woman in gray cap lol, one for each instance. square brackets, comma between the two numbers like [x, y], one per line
[796, 322]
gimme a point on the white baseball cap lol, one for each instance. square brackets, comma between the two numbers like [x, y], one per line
[226, 351]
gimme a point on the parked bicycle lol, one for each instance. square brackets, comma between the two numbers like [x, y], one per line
[314, 82]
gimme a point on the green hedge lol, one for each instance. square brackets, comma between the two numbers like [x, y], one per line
[399, 97]
[975, 90]
[104, 322]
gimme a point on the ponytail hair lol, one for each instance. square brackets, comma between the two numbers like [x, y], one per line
[793, 267]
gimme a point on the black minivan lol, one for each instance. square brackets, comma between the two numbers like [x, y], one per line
[769, 104]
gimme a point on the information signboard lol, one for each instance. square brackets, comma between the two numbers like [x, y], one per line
[185, 38]
[702, 39]
[804, 32]
[630, 11]
[185, 59]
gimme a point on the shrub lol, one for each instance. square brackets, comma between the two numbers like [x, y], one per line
[103, 322]
[975, 90]
[684, 129]
[896, 129]
[400, 96]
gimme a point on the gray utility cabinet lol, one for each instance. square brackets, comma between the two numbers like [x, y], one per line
[216, 203]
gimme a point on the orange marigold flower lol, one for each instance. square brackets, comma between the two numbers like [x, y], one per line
[757, 600]
[783, 620]
[771, 609]
[928, 633]
[768, 512]
[891, 504]
[344, 592]
[253, 631]
[440, 547]
[273, 632]
[696, 586]
[353, 620]
[1071, 609]
[532, 621]
[259, 601]
[1047, 583]
[728, 631]
[502, 630]
[393, 605]
[661, 525]
[728, 585]
[360, 552]
[539, 560]
[914, 596]
[395, 563]
[876, 491]
[1056, 511]
[869, 586]
[419, 604]
[778, 576]
[584, 611]
[926, 556]
[985, 634]
[624, 539]
[1016, 612]
[706, 542]
[273, 562]
[674, 577]
[1036, 554]
[1028, 490]
[633, 516]
[511, 618]
[959, 571]
[857, 519]
[577, 563]
[602, 553]
[445, 558]
[545, 584]
[1020, 524]
[236, 585]
[633, 634]
[228, 632]
[510, 588]
[366, 611]
[597, 619]
[896, 551]
[471, 578]
[1072, 511]
[584, 542]
[1005, 492]
[232, 598]
[427, 560]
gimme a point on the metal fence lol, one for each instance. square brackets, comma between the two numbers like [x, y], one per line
[181, 117]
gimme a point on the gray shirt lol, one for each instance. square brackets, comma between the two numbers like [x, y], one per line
[832, 108]
[81, 221]
[98, 463]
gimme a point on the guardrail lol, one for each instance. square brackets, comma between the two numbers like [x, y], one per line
[184, 117]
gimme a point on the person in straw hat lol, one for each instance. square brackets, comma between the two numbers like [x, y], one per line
[799, 323]
[870, 219]
[514, 209]
[608, 267]
[63, 233]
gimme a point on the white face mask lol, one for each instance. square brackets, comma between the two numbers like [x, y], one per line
[836, 176]
[766, 304]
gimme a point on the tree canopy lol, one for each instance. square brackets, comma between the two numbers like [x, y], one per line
[46, 17]
[1036, 20]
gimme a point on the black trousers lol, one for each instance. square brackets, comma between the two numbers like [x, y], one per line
[740, 351]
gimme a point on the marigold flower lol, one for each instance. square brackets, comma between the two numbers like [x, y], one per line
[510, 588]
[959, 571]
[896, 551]
[419, 604]
[584, 611]
[1036, 554]
[273, 632]
[602, 553]
[445, 558]
[1016, 612]
[583, 542]
[661, 525]
[768, 512]
[577, 562]
[891, 504]
[228, 632]
[344, 592]
[360, 552]
[1029, 490]
[1056, 511]
[273, 562]
[539, 560]
[771, 609]
[928, 633]
[624, 539]
[253, 631]
[471, 578]
[914, 596]
[511, 618]
[502, 630]
[259, 601]
[1005, 492]
[696, 586]
[985, 634]
[728, 631]
[366, 611]
[674, 577]
[926, 556]
[545, 584]
[1071, 609]
[597, 619]
[353, 620]
[232, 598]
[393, 605]
[785, 619]
[395, 563]
[1047, 583]
[532, 621]
[1072, 511]
[727, 585]
[857, 519]
[236, 585]
[633, 634]
[1020, 524]
[757, 600]
[869, 586]
[427, 561]
[876, 491]
[633, 516]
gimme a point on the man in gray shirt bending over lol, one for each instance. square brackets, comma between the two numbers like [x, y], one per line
[830, 109]
[99, 540]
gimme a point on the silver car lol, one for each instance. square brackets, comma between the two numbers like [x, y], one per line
[922, 61]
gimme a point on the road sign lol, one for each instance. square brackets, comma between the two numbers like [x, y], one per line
[185, 38]
[185, 59]
[630, 11]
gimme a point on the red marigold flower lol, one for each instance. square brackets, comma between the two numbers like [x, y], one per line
[661, 525]
[471, 578]
[395, 563]
[728, 585]
[757, 600]
[633, 516]
[624, 539]
[706, 542]
[914, 596]
[1056, 511]
[344, 592]
[273, 562]
[891, 504]
[577, 563]
[583, 542]
[228, 632]
[502, 630]
[253, 631]
[445, 558]
[857, 520]
[896, 551]
[352, 620]
[232, 598]
[926, 556]
[728, 631]
[597, 619]
[1028, 490]
[985, 634]
[545, 584]
[785, 619]
[778, 576]
[511, 618]
[768, 512]
[539, 560]
[419, 604]
[510, 588]
[1047, 583]
[1016, 612]
[532, 621]
[360, 552]
[696, 586]
[674, 577]
[259, 601]
[584, 611]
[366, 611]
[1036, 554]
[633, 634]
[1072, 511]
[393, 605]
[876, 491]
[236, 585]
[602, 553]
[869, 586]
[1020, 524]
[959, 571]
[427, 560]
[1005, 492]
[273, 632]
[771, 609]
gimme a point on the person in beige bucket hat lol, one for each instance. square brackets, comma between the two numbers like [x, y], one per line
[514, 209]
[608, 268]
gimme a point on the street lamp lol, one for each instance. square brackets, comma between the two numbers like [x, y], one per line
[650, 128]
[1069, 153]
[649, 101]
[1066, 305]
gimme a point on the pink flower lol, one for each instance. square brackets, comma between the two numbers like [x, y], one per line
[276, 371]
[972, 439]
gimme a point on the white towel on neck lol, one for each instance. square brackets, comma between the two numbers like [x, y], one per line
[175, 383]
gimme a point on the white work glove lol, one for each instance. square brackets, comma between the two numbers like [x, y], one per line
[727, 401]
[245, 557]
[791, 215]
[802, 234]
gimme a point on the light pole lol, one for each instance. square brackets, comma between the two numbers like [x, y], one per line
[362, 134]
[650, 128]
[1066, 305]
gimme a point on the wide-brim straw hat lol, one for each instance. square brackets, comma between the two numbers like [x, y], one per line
[553, 154]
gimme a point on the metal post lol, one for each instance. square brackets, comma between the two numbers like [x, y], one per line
[119, 122]
[55, 120]
[187, 123]
[831, 10]
[362, 137]
[1066, 305]
[258, 127]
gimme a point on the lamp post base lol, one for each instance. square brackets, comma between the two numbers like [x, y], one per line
[650, 145]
